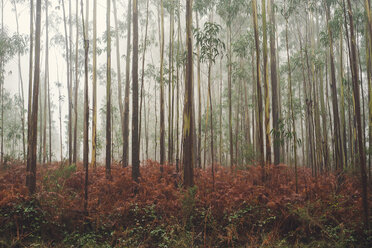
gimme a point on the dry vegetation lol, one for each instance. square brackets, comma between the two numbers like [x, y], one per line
[238, 211]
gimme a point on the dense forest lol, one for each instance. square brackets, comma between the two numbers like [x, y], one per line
[185, 123]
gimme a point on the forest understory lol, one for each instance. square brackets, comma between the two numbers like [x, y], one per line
[236, 210]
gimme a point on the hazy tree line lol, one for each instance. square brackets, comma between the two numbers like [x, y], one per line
[199, 83]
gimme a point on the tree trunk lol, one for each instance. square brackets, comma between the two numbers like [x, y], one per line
[135, 141]
[274, 84]
[266, 85]
[32, 142]
[162, 125]
[86, 103]
[29, 106]
[229, 72]
[46, 81]
[127, 88]
[20, 88]
[170, 86]
[336, 118]
[143, 81]
[108, 93]
[74, 156]
[94, 79]
[188, 115]
[121, 108]
[259, 93]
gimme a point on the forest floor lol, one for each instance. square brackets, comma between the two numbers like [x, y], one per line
[237, 211]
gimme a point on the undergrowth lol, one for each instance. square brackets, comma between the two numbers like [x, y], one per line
[239, 211]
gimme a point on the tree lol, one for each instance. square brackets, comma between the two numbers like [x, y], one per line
[274, 83]
[86, 103]
[21, 88]
[120, 101]
[127, 89]
[108, 92]
[266, 85]
[188, 115]
[32, 140]
[259, 93]
[162, 125]
[211, 46]
[291, 98]
[135, 141]
[337, 134]
[94, 124]
[74, 156]
[46, 80]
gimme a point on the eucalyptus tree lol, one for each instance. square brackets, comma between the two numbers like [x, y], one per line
[74, 155]
[94, 81]
[32, 141]
[30, 83]
[145, 41]
[258, 88]
[336, 118]
[200, 7]
[188, 115]
[286, 16]
[170, 6]
[135, 140]
[162, 125]
[127, 87]
[21, 93]
[210, 47]
[108, 91]
[228, 10]
[69, 82]
[266, 84]
[117, 41]
[274, 82]
[46, 80]
[86, 99]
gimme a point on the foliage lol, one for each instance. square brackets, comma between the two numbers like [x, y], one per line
[210, 45]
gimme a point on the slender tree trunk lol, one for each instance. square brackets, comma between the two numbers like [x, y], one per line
[117, 40]
[86, 103]
[199, 96]
[94, 79]
[135, 140]
[108, 93]
[259, 93]
[170, 86]
[211, 120]
[229, 72]
[369, 75]
[46, 82]
[336, 118]
[343, 121]
[162, 125]
[143, 81]
[21, 93]
[30, 84]
[32, 142]
[127, 88]
[274, 84]
[266, 85]
[291, 105]
[74, 156]
[188, 116]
